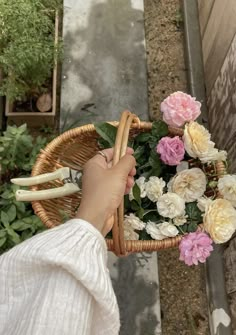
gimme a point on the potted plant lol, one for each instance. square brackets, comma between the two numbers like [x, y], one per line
[29, 54]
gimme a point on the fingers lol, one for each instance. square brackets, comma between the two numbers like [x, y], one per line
[132, 172]
[125, 166]
[130, 182]
[106, 156]
[130, 151]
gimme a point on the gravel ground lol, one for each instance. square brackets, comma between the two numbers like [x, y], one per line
[182, 288]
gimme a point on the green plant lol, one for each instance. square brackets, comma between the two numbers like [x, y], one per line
[18, 152]
[27, 47]
[17, 221]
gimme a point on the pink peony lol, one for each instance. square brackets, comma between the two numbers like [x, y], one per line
[179, 108]
[195, 247]
[171, 150]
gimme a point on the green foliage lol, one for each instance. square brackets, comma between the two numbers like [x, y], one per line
[18, 152]
[107, 132]
[194, 218]
[27, 47]
[17, 221]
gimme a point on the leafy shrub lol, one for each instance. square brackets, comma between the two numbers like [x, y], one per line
[27, 47]
[18, 152]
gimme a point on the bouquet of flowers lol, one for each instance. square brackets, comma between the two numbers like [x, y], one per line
[177, 190]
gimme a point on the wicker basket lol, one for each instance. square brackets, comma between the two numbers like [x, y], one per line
[76, 147]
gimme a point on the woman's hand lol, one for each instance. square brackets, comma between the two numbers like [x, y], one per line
[103, 188]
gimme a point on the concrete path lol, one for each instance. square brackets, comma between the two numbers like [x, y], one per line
[104, 72]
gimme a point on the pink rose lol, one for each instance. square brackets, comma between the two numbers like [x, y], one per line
[195, 247]
[179, 108]
[171, 150]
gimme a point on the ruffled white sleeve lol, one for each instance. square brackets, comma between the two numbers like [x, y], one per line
[58, 283]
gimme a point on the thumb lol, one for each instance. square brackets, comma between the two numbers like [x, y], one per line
[125, 165]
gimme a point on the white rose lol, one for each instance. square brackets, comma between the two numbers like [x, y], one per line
[154, 188]
[142, 186]
[198, 144]
[220, 220]
[170, 205]
[162, 230]
[153, 230]
[168, 229]
[130, 234]
[188, 184]
[203, 203]
[227, 188]
[180, 220]
[214, 155]
[133, 221]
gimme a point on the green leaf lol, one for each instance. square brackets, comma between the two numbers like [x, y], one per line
[127, 203]
[159, 129]
[2, 233]
[136, 193]
[143, 137]
[28, 220]
[11, 213]
[4, 218]
[107, 132]
[134, 205]
[138, 153]
[193, 212]
[26, 234]
[183, 229]
[140, 213]
[7, 195]
[2, 241]
[13, 235]
[143, 235]
[20, 206]
[20, 225]
[192, 227]
[103, 144]
[151, 216]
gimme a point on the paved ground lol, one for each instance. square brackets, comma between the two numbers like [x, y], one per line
[104, 73]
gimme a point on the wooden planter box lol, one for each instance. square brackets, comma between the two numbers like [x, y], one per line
[34, 117]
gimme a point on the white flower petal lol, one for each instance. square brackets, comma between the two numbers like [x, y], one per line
[170, 205]
[154, 188]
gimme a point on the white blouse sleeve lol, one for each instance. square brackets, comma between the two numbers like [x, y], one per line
[58, 283]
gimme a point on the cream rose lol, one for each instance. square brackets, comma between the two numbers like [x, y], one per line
[198, 144]
[203, 203]
[133, 221]
[168, 229]
[130, 234]
[153, 231]
[170, 205]
[188, 184]
[141, 182]
[227, 188]
[154, 188]
[220, 220]
[162, 230]
[180, 220]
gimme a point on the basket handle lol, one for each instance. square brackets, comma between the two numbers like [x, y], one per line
[122, 137]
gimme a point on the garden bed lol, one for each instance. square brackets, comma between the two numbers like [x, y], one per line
[182, 289]
[29, 58]
[48, 100]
